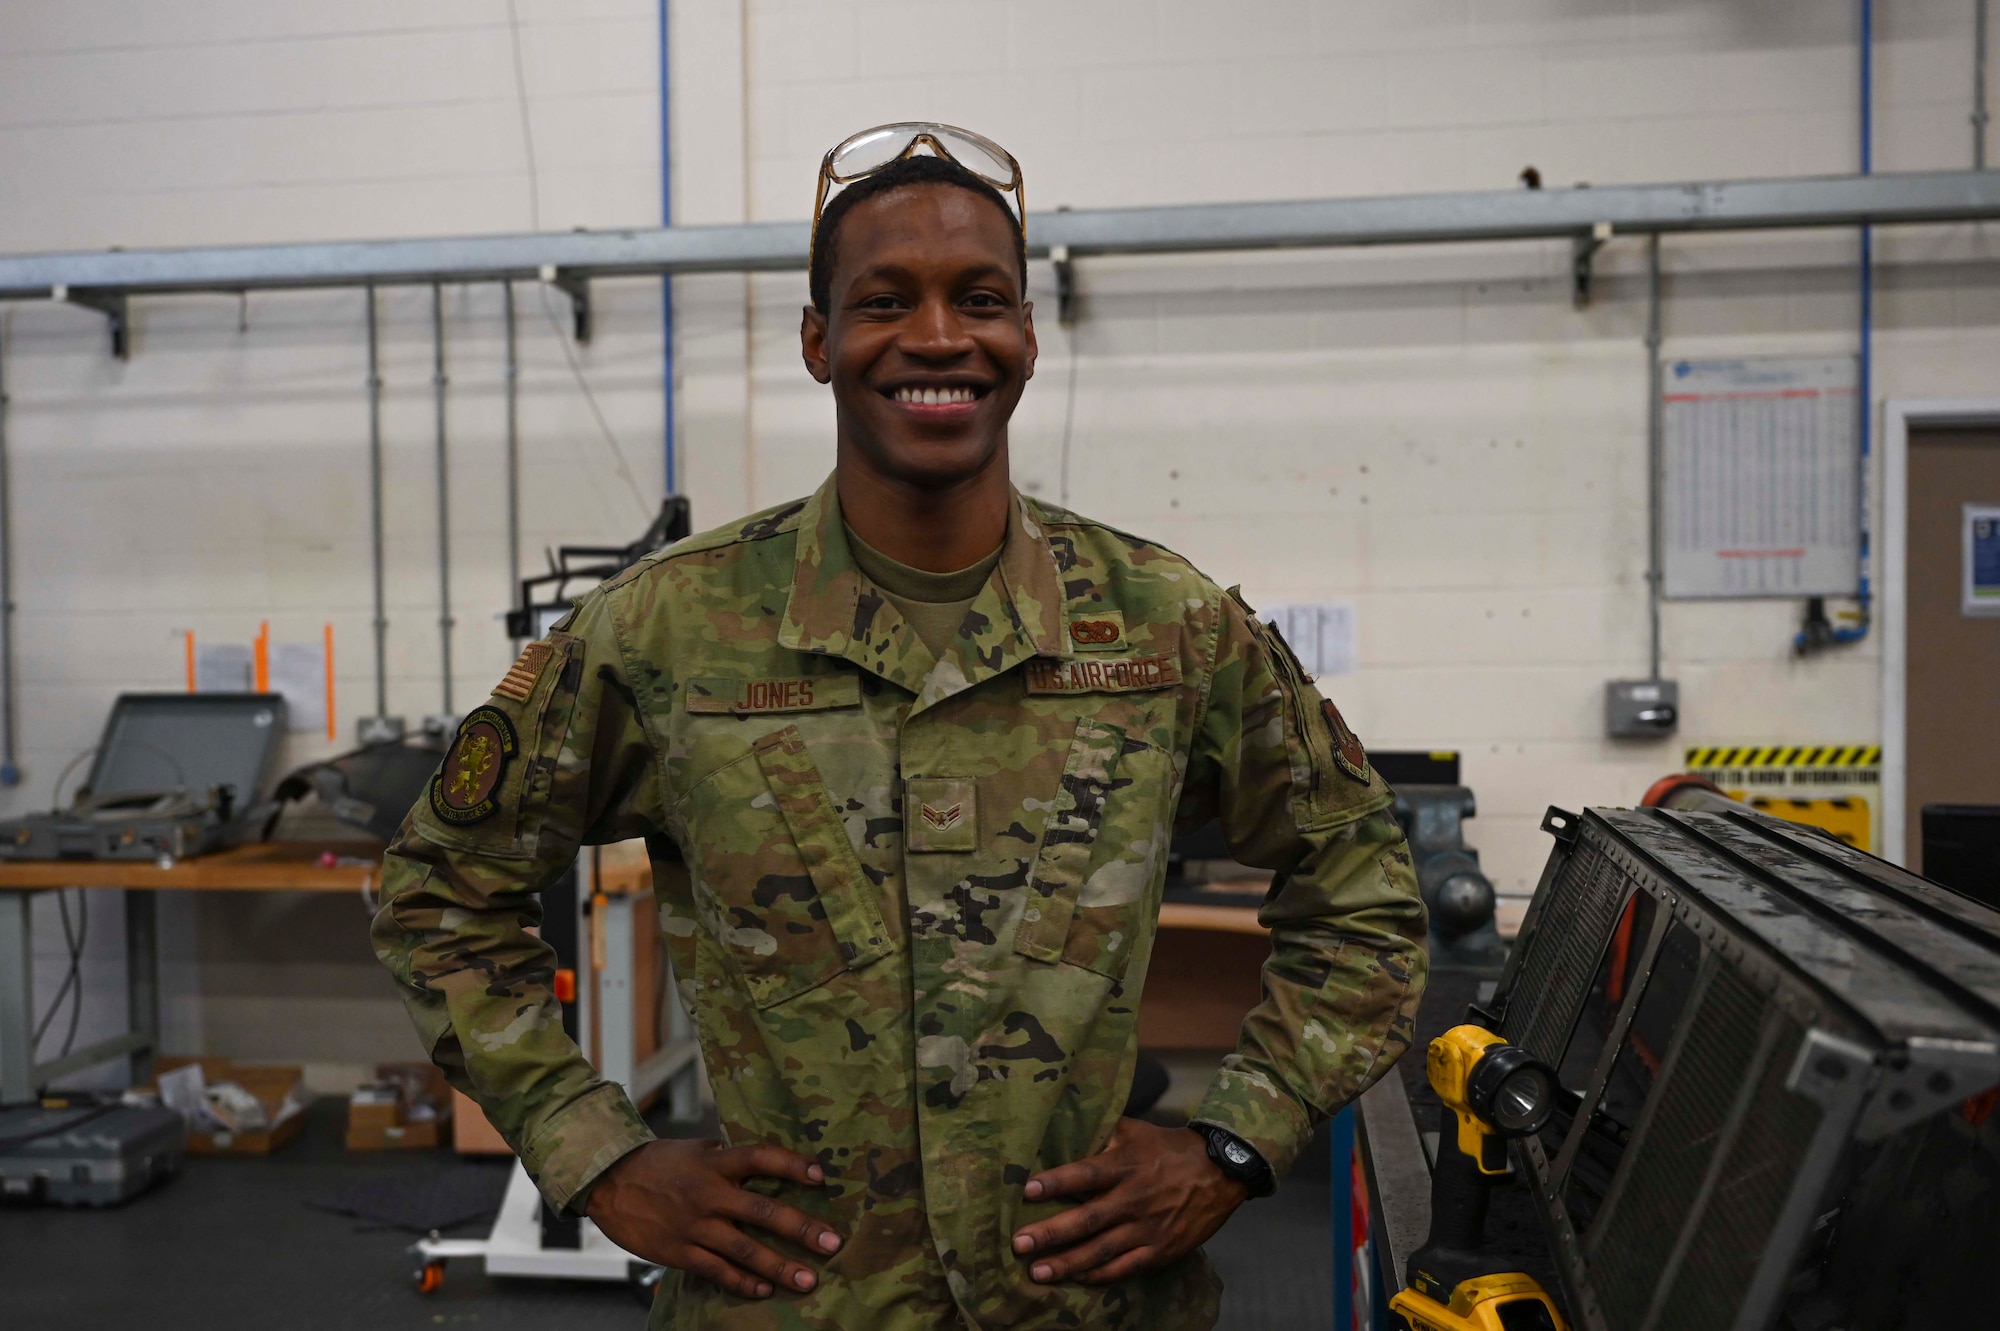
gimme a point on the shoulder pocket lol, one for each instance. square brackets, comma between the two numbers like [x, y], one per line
[1069, 838]
[1332, 780]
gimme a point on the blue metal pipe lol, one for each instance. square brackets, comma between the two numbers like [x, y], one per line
[1816, 634]
[667, 283]
[1865, 396]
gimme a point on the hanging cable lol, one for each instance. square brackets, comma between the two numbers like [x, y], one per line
[74, 936]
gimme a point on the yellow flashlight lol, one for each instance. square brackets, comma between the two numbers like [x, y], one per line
[1492, 1092]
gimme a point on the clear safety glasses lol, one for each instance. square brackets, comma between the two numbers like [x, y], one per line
[860, 156]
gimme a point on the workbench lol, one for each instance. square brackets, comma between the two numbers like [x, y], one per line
[286, 866]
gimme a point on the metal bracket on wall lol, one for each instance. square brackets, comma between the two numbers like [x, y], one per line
[1065, 285]
[112, 305]
[1586, 250]
[577, 288]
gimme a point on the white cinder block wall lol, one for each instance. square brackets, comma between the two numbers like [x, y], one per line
[1434, 435]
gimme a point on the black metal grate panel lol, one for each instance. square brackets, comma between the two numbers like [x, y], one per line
[1633, 1240]
[1585, 898]
[1735, 1226]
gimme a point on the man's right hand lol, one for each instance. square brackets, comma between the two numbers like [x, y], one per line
[678, 1203]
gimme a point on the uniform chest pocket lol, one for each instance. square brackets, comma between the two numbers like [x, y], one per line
[1089, 892]
[781, 888]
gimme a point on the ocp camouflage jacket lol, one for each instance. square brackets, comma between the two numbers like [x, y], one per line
[920, 894]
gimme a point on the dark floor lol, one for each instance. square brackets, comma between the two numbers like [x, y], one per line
[231, 1244]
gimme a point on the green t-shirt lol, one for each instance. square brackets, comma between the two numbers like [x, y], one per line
[933, 603]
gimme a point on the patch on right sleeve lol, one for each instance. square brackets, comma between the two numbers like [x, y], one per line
[1347, 751]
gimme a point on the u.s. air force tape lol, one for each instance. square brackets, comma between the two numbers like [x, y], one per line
[465, 788]
[1103, 674]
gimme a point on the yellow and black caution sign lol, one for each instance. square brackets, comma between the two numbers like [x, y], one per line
[1791, 757]
[1829, 786]
[1846, 819]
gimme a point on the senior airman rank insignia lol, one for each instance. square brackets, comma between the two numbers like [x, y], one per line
[1347, 750]
[463, 791]
[940, 814]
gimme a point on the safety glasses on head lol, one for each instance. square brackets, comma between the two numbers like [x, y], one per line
[860, 156]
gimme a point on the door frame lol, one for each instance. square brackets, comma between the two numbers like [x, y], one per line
[1899, 417]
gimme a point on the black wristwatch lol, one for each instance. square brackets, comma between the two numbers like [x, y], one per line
[1238, 1159]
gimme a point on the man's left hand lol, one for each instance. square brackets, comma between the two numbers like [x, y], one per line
[1154, 1196]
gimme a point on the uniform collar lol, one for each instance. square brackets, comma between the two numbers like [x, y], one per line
[836, 609]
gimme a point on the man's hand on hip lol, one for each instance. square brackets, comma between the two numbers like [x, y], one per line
[678, 1203]
[1154, 1195]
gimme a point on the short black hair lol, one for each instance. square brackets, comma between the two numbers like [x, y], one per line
[917, 170]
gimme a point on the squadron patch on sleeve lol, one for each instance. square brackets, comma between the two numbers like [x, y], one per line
[464, 789]
[1347, 750]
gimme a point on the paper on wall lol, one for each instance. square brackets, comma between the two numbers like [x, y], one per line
[298, 671]
[223, 667]
[1759, 476]
[1321, 635]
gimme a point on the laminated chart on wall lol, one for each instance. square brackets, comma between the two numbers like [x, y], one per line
[1760, 486]
[1321, 635]
[1834, 787]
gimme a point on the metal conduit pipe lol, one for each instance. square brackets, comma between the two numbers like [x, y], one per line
[1979, 116]
[377, 554]
[446, 716]
[10, 768]
[513, 437]
[667, 281]
[1655, 452]
[1740, 205]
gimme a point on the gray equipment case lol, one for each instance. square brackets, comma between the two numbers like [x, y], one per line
[1779, 1067]
[87, 1155]
[176, 774]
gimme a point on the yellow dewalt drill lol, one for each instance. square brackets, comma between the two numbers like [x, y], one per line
[1492, 1091]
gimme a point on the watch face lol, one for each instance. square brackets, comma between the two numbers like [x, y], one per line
[1237, 1152]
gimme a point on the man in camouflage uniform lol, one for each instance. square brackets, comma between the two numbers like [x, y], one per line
[923, 866]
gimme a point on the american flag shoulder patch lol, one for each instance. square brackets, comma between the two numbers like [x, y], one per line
[521, 678]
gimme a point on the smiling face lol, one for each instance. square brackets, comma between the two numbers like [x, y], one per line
[927, 340]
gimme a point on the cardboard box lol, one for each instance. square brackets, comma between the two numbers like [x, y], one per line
[396, 1136]
[407, 1106]
[279, 1089]
[471, 1133]
[368, 1114]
